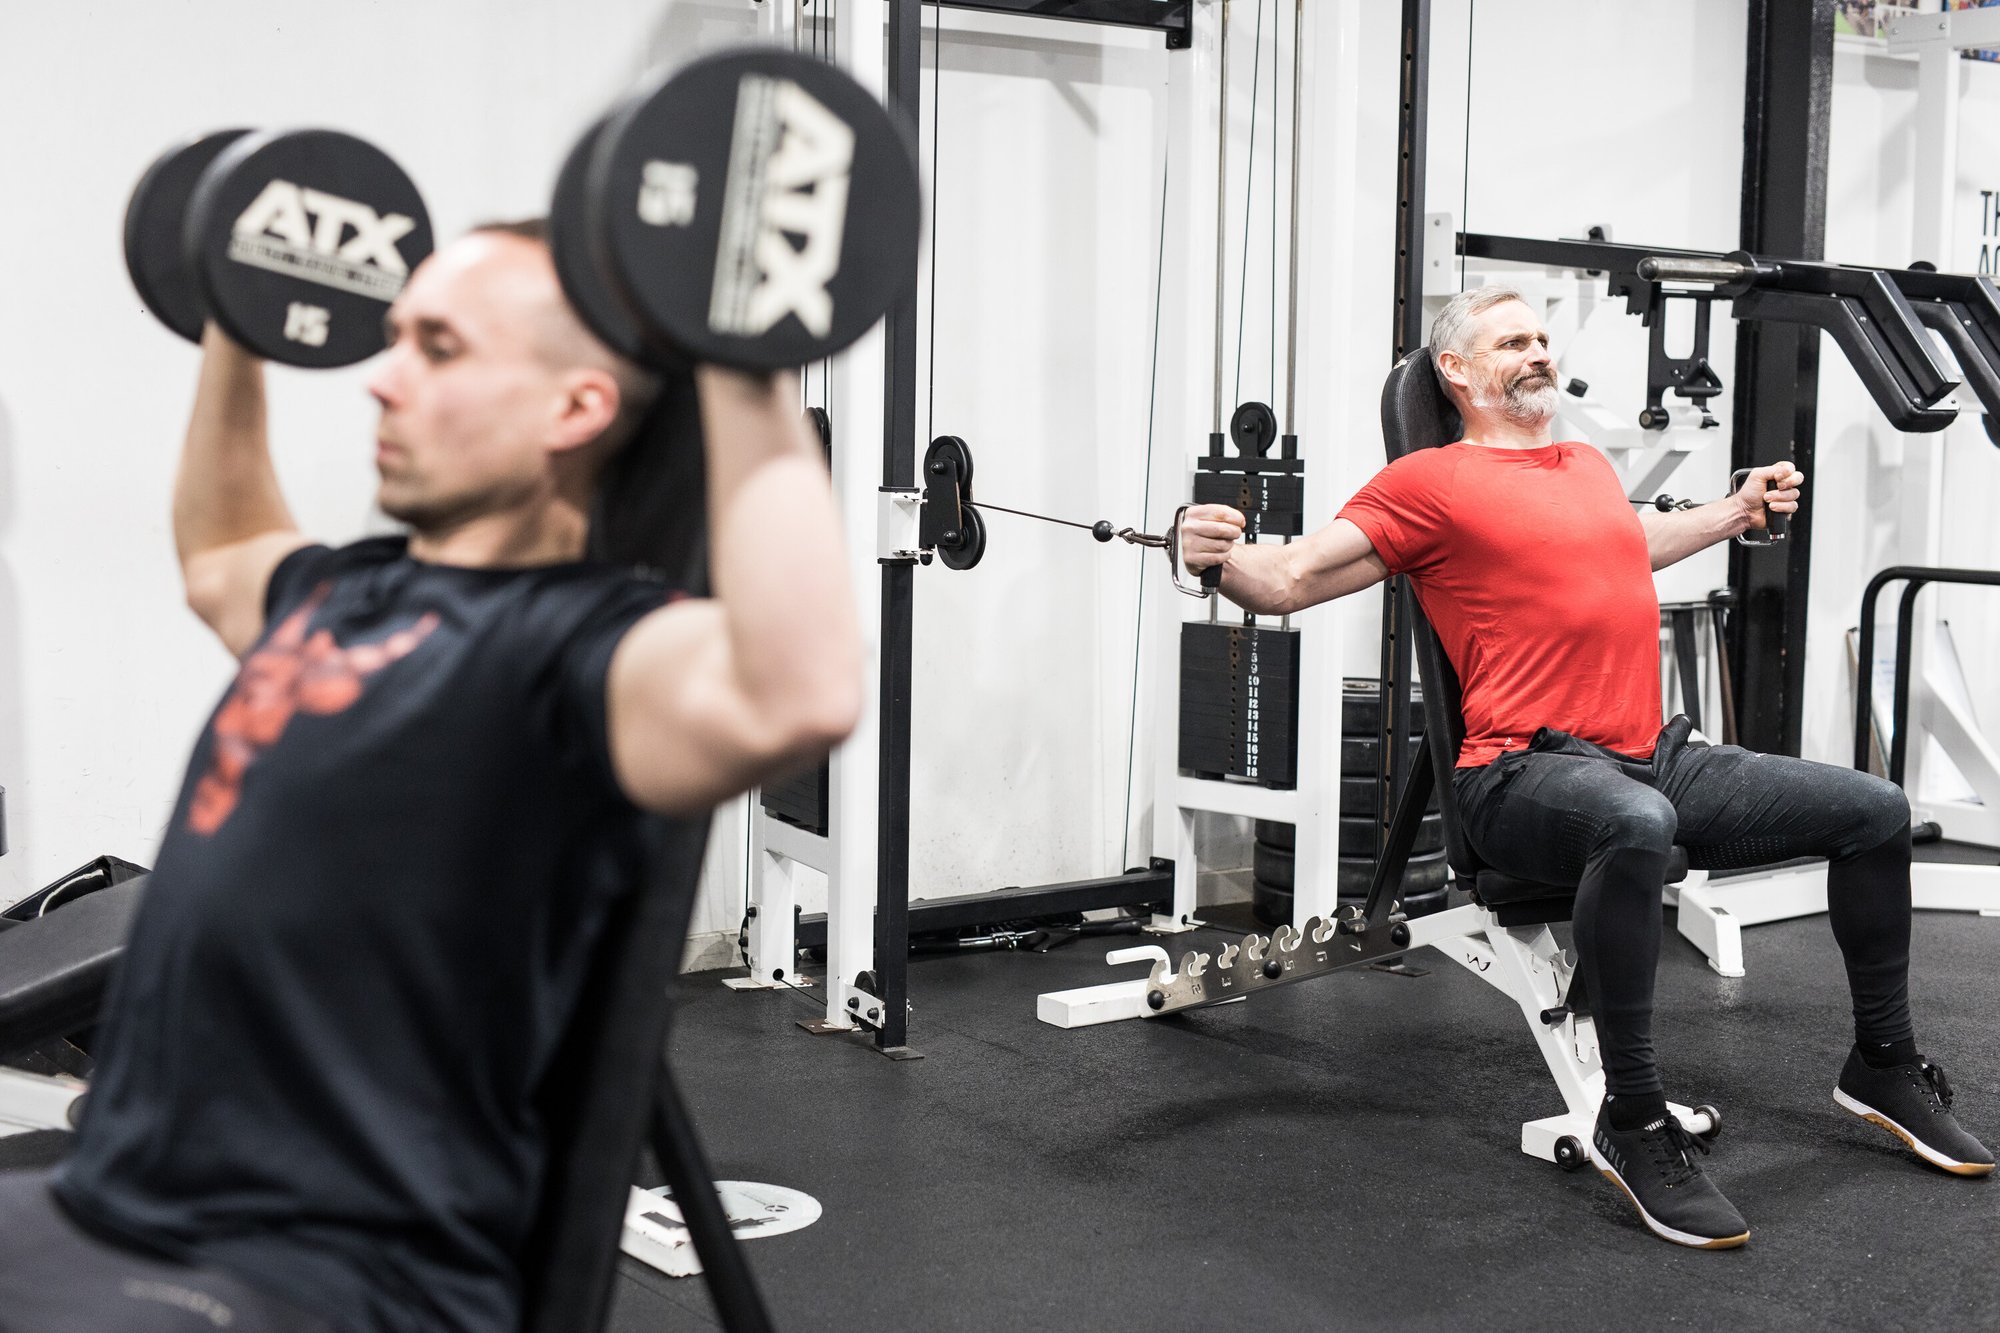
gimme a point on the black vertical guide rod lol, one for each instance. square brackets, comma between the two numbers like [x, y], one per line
[1412, 118]
[682, 1162]
[1787, 112]
[899, 472]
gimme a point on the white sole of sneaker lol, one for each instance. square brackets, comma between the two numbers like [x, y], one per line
[1654, 1224]
[1916, 1145]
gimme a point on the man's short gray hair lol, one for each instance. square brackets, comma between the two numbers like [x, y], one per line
[1452, 329]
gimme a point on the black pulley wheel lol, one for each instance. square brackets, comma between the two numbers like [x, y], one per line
[1253, 428]
[971, 544]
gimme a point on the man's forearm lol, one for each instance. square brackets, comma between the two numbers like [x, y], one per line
[1680, 533]
[779, 560]
[1259, 579]
[226, 489]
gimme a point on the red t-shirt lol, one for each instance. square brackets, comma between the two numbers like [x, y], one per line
[1532, 567]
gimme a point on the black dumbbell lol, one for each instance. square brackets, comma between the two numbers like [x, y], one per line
[757, 209]
[294, 241]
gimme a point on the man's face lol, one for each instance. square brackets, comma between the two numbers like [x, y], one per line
[1508, 367]
[470, 402]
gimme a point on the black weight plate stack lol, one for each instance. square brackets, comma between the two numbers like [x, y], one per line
[1425, 878]
[1357, 753]
[758, 209]
[155, 221]
[1361, 708]
[300, 239]
[1239, 702]
[601, 310]
[1272, 503]
[1357, 834]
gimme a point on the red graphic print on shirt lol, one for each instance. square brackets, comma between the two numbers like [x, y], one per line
[290, 673]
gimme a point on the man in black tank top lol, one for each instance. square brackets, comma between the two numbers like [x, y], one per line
[399, 833]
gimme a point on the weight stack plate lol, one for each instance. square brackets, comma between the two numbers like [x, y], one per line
[1239, 704]
[800, 799]
[1273, 503]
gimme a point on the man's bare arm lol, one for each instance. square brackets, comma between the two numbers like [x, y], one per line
[709, 697]
[231, 524]
[1272, 580]
[1679, 533]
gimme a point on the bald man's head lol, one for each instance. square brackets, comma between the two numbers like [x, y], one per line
[563, 340]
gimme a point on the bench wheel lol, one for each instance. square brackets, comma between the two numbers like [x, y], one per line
[1569, 1153]
[1714, 1115]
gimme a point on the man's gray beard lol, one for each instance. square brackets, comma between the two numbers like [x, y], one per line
[1530, 407]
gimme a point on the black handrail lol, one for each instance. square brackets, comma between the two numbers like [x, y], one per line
[1918, 577]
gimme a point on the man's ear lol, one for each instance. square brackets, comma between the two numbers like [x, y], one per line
[1452, 366]
[589, 405]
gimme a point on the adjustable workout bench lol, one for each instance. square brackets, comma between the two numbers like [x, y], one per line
[1502, 936]
[56, 958]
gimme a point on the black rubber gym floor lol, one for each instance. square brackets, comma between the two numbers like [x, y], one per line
[1343, 1153]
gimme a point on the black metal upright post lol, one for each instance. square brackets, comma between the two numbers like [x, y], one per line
[899, 472]
[1413, 112]
[1787, 105]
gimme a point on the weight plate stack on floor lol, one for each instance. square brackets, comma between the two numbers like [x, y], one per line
[1425, 879]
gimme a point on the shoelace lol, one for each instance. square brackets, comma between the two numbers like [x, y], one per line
[1672, 1148]
[1940, 1087]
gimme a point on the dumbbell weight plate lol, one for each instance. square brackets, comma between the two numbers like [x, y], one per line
[601, 310]
[758, 209]
[155, 252]
[300, 239]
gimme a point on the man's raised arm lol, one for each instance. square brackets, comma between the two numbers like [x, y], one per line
[709, 697]
[231, 524]
[1270, 580]
[1679, 533]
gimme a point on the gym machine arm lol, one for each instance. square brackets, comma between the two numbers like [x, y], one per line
[1866, 311]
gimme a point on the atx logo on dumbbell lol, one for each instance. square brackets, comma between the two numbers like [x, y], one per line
[291, 229]
[220, 228]
[754, 208]
[793, 159]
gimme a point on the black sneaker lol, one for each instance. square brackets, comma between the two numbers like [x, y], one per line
[1913, 1102]
[1655, 1167]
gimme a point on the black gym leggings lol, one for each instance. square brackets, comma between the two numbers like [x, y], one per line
[1565, 809]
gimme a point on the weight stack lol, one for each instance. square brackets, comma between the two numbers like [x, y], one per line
[800, 799]
[1240, 703]
[1425, 878]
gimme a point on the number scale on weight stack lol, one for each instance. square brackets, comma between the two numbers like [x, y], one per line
[1240, 703]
